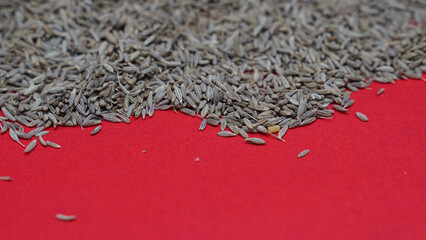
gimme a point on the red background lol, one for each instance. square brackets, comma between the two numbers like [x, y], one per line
[361, 180]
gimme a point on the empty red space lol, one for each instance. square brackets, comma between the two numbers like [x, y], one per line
[361, 180]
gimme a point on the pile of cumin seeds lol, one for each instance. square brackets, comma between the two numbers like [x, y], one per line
[239, 64]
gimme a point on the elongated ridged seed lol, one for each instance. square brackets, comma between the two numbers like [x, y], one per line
[362, 117]
[94, 61]
[226, 134]
[52, 144]
[96, 130]
[303, 153]
[31, 146]
[255, 141]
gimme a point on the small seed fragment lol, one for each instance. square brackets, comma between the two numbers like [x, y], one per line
[382, 90]
[274, 129]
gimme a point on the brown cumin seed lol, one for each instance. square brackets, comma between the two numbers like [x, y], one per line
[274, 129]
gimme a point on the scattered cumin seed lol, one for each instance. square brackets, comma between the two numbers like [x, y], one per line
[96, 130]
[6, 179]
[361, 116]
[303, 153]
[65, 218]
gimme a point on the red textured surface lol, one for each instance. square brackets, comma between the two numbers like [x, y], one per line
[361, 180]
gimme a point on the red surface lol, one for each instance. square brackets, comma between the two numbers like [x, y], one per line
[361, 180]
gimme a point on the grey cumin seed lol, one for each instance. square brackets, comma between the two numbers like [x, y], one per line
[382, 90]
[52, 144]
[188, 111]
[65, 218]
[6, 178]
[255, 141]
[223, 124]
[15, 137]
[96, 130]
[226, 134]
[340, 108]
[86, 67]
[243, 133]
[42, 141]
[349, 103]
[303, 153]
[203, 124]
[283, 131]
[31, 146]
[361, 116]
